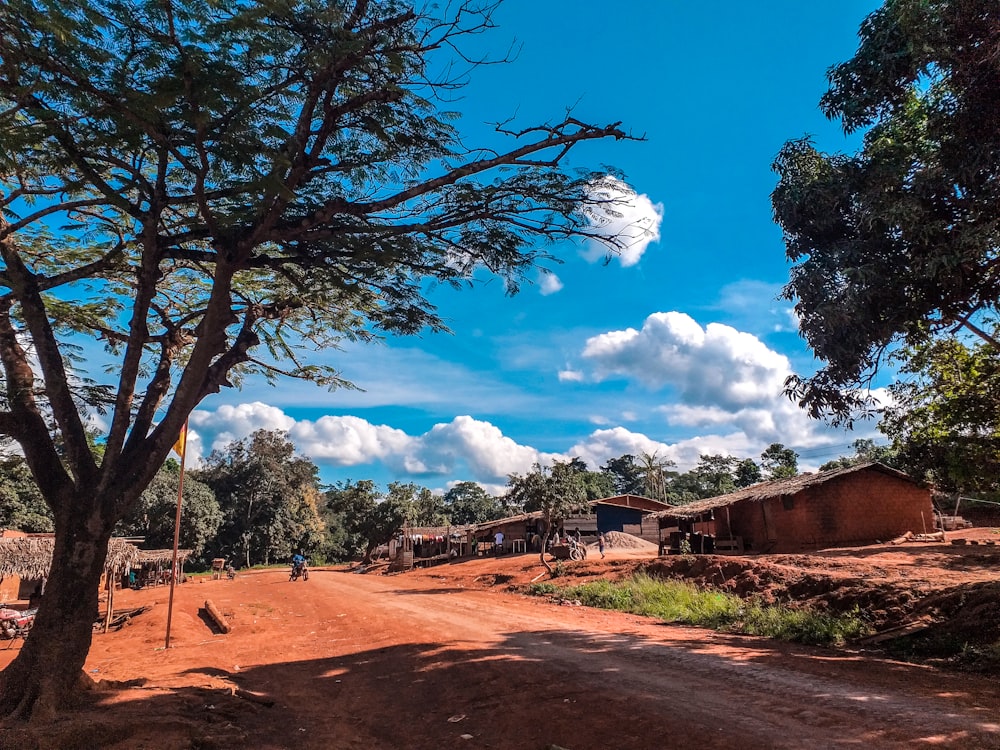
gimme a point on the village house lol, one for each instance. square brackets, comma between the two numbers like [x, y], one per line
[850, 506]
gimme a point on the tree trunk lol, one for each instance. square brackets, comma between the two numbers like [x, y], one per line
[46, 675]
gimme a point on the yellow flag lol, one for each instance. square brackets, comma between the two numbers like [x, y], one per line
[181, 440]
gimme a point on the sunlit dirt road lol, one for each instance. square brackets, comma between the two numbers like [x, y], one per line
[438, 659]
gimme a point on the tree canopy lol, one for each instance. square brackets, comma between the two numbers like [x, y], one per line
[901, 236]
[212, 191]
[269, 497]
[944, 421]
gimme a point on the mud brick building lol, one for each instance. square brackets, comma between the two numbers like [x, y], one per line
[838, 508]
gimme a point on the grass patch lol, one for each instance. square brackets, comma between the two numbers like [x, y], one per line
[681, 602]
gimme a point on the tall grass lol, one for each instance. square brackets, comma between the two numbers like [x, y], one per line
[680, 602]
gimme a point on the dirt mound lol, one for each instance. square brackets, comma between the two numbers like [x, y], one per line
[620, 540]
[885, 605]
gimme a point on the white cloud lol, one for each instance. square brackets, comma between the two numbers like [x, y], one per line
[347, 440]
[570, 376]
[602, 445]
[229, 423]
[463, 445]
[549, 283]
[717, 365]
[616, 211]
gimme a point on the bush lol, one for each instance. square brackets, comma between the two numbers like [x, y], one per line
[680, 602]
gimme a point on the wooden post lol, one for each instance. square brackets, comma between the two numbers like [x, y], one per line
[177, 532]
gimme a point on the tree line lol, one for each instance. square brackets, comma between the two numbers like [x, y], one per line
[257, 502]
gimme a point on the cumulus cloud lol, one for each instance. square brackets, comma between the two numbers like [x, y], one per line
[723, 383]
[549, 283]
[235, 422]
[716, 365]
[614, 210]
[602, 445]
[462, 446]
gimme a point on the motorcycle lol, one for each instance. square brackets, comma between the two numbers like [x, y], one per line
[299, 569]
[16, 624]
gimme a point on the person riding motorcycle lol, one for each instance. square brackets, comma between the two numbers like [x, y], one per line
[298, 565]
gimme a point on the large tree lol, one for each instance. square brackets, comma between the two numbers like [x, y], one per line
[556, 491]
[368, 517]
[22, 506]
[210, 190]
[903, 235]
[269, 498]
[779, 462]
[154, 516]
[468, 503]
[944, 420]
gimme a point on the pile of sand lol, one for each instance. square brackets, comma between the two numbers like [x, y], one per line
[620, 540]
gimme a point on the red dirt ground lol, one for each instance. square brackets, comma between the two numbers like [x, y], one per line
[454, 657]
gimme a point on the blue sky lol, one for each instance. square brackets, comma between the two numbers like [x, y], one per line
[679, 348]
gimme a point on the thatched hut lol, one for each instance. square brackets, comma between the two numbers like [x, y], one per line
[28, 559]
[153, 565]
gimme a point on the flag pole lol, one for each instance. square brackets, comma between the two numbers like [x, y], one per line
[182, 440]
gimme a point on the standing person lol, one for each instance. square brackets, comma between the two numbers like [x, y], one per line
[576, 535]
[498, 542]
[600, 544]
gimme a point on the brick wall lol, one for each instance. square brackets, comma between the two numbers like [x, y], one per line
[858, 508]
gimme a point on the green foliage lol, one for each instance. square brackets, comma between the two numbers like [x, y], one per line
[902, 235]
[22, 506]
[944, 421]
[368, 518]
[678, 601]
[269, 499]
[556, 491]
[625, 475]
[747, 473]
[469, 503]
[155, 515]
[779, 462]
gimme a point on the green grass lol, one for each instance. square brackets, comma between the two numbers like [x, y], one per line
[680, 602]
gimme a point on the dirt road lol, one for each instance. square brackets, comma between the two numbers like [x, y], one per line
[426, 661]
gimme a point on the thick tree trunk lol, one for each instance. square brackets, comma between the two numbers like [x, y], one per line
[46, 675]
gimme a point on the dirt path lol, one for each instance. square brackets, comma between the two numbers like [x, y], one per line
[447, 659]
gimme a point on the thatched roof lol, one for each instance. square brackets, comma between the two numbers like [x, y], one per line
[30, 557]
[162, 556]
[775, 488]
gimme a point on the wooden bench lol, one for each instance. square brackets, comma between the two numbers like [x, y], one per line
[729, 545]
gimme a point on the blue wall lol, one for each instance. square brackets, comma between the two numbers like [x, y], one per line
[614, 518]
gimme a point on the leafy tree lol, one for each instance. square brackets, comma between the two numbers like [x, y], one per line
[155, 515]
[902, 235]
[747, 473]
[234, 184]
[469, 503]
[555, 491]
[945, 418]
[424, 508]
[369, 518]
[626, 475]
[716, 474]
[779, 462]
[656, 475]
[865, 450]
[597, 484]
[21, 504]
[269, 499]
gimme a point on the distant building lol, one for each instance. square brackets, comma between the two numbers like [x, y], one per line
[843, 507]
